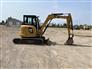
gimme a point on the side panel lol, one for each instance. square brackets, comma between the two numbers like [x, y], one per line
[27, 31]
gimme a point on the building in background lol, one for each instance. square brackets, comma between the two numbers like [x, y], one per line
[13, 22]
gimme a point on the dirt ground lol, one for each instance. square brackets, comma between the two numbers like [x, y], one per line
[56, 56]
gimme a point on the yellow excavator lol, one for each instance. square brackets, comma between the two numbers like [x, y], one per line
[31, 32]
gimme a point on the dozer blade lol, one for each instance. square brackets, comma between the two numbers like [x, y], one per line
[69, 41]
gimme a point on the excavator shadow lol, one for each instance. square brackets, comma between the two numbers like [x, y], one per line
[78, 45]
[84, 35]
[73, 45]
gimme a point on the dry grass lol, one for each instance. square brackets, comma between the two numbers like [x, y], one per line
[56, 56]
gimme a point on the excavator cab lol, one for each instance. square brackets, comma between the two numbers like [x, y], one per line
[31, 20]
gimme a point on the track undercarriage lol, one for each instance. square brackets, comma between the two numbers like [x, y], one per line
[36, 40]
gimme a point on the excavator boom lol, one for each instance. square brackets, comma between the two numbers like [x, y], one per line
[68, 22]
[59, 16]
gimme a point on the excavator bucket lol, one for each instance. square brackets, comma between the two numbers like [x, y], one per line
[69, 41]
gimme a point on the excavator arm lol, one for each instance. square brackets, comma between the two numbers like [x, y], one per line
[60, 16]
[68, 22]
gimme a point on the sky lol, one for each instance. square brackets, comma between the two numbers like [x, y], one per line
[81, 10]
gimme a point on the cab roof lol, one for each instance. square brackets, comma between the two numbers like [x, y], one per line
[29, 15]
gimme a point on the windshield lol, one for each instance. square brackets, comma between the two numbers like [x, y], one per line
[28, 20]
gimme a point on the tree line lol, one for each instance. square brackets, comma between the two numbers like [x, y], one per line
[77, 27]
[64, 25]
